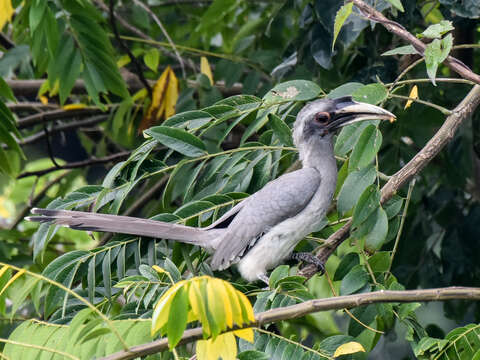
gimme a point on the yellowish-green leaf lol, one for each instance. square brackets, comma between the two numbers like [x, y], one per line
[74, 106]
[6, 12]
[235, 304]
[348, 348]
[205, 69]
[162, 308]
[413, 95]
[177, 319]
[342, 15]
[216, 307]
[123, 60]
[159, 270]
[198, 305]
[224, 346]
[223, 294]
[12, 280]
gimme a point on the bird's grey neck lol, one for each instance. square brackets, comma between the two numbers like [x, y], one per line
[317, 152]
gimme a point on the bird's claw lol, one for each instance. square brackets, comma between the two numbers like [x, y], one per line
[310, 259]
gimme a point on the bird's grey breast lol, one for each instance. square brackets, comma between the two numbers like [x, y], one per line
[279, 200]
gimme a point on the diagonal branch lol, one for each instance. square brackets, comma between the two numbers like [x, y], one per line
[463, 110]
[312, 306]
[397, 29]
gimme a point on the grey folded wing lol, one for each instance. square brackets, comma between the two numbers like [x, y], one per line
[277, 201]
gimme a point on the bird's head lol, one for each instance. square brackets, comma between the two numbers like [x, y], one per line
[321, 118]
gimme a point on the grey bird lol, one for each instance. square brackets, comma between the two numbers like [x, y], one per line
[262, 231]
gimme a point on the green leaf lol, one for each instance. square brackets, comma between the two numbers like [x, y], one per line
[366, 148]
[376, 229]
[380, 261]
[342, 15]
[106, 273]
[252, 355]
[294, 90]
[356, 279]
[68, 74]
[177, 317]
[393, 206]
[436, 31]
[435, 53]
[402, 50]
[397, 4]
[37, 9]
[344, 90]
[355, 183]
[279, 273]
[349, 135]
[371, 94]
[5, 90]
[178, 140]
[189, 119]
[348, 262]
[281, 130]
[367, 203]
[152, 58]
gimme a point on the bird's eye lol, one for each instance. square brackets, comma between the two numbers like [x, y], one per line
[322, 117]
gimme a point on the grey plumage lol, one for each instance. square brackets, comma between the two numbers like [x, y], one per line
[264, 229]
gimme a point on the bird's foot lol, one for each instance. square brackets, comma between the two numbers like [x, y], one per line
[264, 278]
[310, 259]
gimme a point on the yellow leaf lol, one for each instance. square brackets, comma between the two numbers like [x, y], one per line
[413, 94]
[198, 305]
[43, 99]
[74, 106]
[164, 98]
[162, 308]
[215, 304]
[247, 306]
[223, 295]
[12, 279]
[6, 12]
[245, 334]
[349, 348]
[205, 69]
[224, 346]
[124, 60]
[159, 270]
[235, 304]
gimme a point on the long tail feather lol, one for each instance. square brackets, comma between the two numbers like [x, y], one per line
[124, 224]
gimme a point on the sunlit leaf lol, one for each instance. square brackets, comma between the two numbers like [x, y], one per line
[413, 95]
[205, 69]
[342, 15]
[349, 348]
[6, 12]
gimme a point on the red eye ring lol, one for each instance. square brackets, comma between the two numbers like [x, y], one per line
[322, 117]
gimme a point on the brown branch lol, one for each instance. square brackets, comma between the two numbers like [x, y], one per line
[77, 164]
[412, 168]
[40, 135]
[46, 116]
[397, 29]
[430, 150]
[309, 307]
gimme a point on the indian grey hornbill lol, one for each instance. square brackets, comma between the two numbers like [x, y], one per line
[260, 232]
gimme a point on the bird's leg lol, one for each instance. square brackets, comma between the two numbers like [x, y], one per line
[310, 259]
[264, 278]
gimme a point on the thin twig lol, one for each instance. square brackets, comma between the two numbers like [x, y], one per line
[132, 57]
[77, 164]
[312, 306]
[165, 33]
[443, 110]
[46, 116]
[49, 146]
[36, 199]
[78, 124]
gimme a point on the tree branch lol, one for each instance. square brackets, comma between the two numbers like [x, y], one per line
[309, 307]
[77, 124]
[46, 116]
[77, 164]
[397, 29]
[429, 151]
